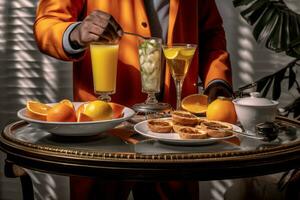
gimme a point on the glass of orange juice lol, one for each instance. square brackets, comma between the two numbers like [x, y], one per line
[104, 65]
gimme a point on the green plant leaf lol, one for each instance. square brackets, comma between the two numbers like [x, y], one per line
[257, 6]
[237, 3]
[292, 78]
[267, 88]
[295, 28]
[295, 107]
[286, 31]
[274, 23]
[291, 52]
[255, 15]
[269, 17]
[274, 42]
[277, 84]
[261, 84]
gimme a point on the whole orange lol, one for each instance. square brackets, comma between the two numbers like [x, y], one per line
[221, 109]
[61, 113]
[98, 110]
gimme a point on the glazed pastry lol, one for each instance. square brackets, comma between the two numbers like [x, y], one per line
[215, 129]
[160, 126]
[191, 133]
[177, 126]
[184, 118]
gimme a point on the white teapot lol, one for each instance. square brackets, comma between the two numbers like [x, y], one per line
[254, 110]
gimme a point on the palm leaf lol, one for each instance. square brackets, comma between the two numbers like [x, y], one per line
[277, 84]
[262, 83]
[267, 87]
[292, 78]
[252, 13]
[267, 21]
[241, 2]
[274, 23]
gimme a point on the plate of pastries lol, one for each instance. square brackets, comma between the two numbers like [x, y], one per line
[185, 128]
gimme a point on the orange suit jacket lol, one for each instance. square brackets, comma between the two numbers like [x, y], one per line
[192, 21]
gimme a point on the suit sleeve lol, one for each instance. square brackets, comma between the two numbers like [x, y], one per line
[213, 57]
[53, 17]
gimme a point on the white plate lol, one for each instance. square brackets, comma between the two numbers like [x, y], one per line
[174, 138]
[77, 128]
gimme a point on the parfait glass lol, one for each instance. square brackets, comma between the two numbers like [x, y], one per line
[179, 58]
[104, 58]
[149, 52]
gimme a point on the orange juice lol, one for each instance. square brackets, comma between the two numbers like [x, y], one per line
[104, 64]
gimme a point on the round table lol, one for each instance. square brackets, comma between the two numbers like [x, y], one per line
[112, 156]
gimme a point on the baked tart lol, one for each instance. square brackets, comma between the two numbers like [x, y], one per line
[191, 133]
[216, 129]
[160, 126]
[184, 118]
[176, 127]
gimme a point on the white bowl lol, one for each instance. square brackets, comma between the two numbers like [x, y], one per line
[77, 128]
[254, 110]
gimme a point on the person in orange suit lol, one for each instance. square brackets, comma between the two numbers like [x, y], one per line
[64, 30]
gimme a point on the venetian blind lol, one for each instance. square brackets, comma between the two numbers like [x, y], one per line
[25, 73]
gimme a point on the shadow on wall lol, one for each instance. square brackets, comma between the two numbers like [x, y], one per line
[25, 74]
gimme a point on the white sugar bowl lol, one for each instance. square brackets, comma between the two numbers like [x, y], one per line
[254, 110]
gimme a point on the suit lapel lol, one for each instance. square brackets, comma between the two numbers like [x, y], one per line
[174, 4]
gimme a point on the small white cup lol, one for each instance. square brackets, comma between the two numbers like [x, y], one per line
[254, 110]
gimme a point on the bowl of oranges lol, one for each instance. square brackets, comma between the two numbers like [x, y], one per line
[66, 118]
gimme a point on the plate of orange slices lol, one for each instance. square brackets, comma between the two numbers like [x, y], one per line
[66, 118]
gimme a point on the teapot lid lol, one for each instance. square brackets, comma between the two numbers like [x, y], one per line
[255, 99]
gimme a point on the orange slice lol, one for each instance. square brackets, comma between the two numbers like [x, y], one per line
[117, 110]
[37, 110]
[68, 103]
[80, 109]
[195, 103]
[81, 117]
[61, 112]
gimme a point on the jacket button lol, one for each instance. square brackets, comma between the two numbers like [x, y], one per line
[144, 24]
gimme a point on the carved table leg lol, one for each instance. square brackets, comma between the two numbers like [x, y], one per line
[14, 171]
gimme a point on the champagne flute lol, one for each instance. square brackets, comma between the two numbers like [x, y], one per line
[104, 65]
[179, 58]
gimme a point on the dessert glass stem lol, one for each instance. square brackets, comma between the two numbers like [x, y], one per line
[178, 85]
[151, 99]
